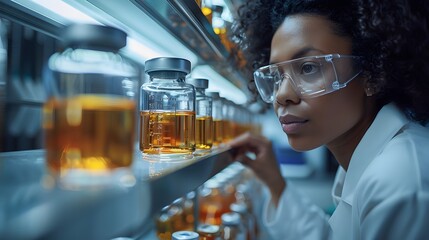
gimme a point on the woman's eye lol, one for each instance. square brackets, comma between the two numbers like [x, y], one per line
[309, 68]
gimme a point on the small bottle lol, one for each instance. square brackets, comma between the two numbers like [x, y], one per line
[212, 203]
[189, 211]
[209, 232]
[206, 9]
[90, 115]
[164, 223]
[204, 123]
[227, 186]
[217, 115]
[247, 218]
[227, 121]
[167, 111]
[185, 235]
[219, 26]
[177, 214]
[232, 227]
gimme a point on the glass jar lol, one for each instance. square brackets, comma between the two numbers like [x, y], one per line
[90, 114]
[227, 186]
[204, 120]
[227, 121]
[208, 232]
[217, 115]
[167, 111]
[164, 223]
[185, 235]
[219, 26]
[247, 218]
[212, 203]
[206, 9]
[189, 211]
[232, 227]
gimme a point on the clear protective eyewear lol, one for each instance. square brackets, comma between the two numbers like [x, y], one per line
[309, 76]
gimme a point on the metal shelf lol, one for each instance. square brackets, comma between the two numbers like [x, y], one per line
[34, 206]
[184, 20]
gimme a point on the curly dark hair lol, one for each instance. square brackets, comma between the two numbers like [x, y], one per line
[392, 36]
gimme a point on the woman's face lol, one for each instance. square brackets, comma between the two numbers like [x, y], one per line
[332, 119]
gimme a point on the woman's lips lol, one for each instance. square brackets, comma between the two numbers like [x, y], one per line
[292, 124]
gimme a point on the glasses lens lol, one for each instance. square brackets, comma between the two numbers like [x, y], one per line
[309, 75]
[265, 81]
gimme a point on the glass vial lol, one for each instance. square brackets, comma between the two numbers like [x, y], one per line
[164, 223]
[247, 218]
[167, 111]
[219, 26]
[227, 122]
[232, 227]
[185, 235]
[90, 115]
[217, 114]
[208, 232]
[189, 206]
[212, 203]
[204, 120]
[206, 9]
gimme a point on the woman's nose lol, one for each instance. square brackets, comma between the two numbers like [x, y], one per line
[286, 93]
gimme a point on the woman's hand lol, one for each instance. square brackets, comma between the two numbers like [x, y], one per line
[265, 165]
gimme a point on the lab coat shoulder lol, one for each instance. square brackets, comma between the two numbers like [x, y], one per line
[394, 188]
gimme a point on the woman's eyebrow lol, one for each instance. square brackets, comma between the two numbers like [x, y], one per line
[303, 52]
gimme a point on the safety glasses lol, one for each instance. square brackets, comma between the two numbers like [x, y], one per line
[309, 76]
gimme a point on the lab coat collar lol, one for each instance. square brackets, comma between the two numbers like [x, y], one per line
[389, 120]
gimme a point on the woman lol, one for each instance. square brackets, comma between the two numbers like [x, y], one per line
[352, 76]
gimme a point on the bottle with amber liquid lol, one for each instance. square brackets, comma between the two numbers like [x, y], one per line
[167, 111]
[227, 120]
[185, 235]
[90, 114]
[217, 115]
[206, 9]
[164, 223]
[247, 219]
[189, 211]
[232, 227]
[219, 27]
[212, 203]
[204, 120]
[208, 232]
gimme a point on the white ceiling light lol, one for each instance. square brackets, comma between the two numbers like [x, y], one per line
[58, 11]
[138, 47]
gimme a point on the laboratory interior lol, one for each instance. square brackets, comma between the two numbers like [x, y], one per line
[177, 88]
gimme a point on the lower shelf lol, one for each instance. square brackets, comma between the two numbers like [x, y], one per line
[34, 206]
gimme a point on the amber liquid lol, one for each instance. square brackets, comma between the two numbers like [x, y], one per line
[208, 13]
[89, 132]
[204, 133]
[235, 129]
[226, 131]
[217, 132]
[208, 232]
[212, 207]
[222, 33]
[165, 132]
[210, 213]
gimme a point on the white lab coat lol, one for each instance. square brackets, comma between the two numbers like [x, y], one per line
[383, 195]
